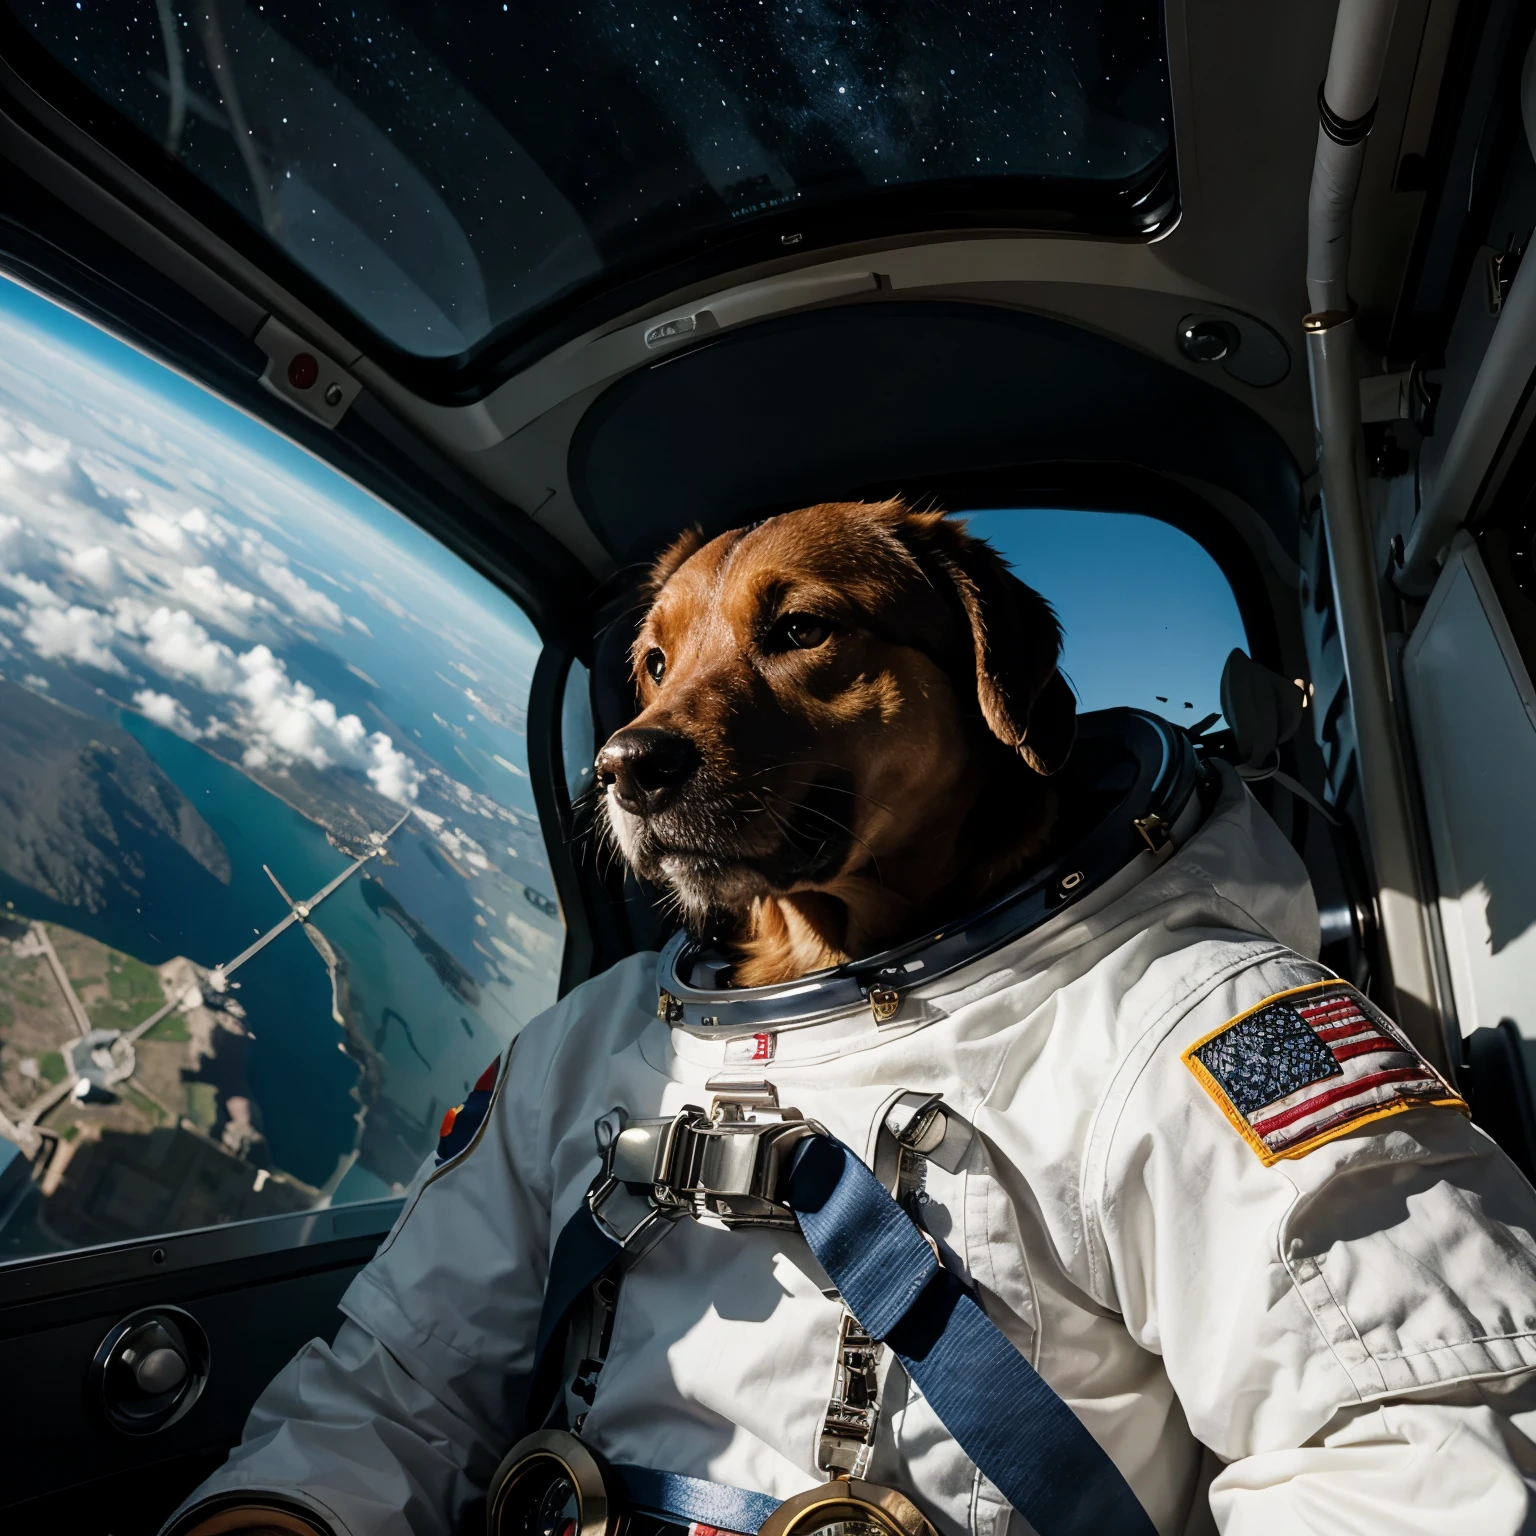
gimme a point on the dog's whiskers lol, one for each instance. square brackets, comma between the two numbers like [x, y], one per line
[840, 789]
[811, 810]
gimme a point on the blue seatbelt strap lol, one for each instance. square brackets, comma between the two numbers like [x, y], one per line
[686, 1500]
[987, 1395]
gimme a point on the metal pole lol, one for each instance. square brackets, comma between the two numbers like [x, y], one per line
[1357, 607]
[1347, 108]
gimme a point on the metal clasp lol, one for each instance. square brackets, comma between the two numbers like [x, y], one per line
[1155, 831]
[848, 1431]
[634, 1229]
[729, 1163]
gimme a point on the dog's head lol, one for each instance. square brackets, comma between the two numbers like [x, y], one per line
[826, 697]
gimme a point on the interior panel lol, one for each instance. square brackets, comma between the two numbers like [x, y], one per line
[67, 1468]
[884, 394]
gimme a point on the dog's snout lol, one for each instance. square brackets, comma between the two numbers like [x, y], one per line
[644, 769]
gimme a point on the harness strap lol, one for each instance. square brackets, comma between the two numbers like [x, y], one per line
[1001, 1412]
[987, 1395]
[687, 1500]
[583, 1254]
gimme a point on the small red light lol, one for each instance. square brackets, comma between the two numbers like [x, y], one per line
[303, 370]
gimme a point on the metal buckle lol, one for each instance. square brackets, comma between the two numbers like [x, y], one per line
[635, 1237]
[848, 1430]
[728, 1163]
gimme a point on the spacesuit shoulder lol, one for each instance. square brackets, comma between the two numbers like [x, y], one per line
[1283, 1170]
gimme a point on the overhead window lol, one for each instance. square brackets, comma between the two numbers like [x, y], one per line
[273, 892]
[1148, 618]
[448, 171]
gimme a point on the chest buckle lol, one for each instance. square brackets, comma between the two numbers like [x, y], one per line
[729, 1162]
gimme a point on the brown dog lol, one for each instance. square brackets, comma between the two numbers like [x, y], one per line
[848, 713]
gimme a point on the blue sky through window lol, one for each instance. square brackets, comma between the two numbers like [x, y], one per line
[1149, 617]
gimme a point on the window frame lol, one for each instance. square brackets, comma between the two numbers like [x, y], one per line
[81, 123]
[432, 494]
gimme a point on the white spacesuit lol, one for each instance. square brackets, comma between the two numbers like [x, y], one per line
[1282, 1302]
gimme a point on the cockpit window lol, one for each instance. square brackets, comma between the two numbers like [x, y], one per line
[448, 170]
[1148, 617]
[273, 892]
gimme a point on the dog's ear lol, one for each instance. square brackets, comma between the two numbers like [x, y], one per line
[1015, 636]
[689, 542]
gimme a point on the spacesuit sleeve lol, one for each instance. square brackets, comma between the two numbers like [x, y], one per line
[1337, 1267]
[396, 1427]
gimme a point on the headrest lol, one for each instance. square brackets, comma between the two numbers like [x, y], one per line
[614, 703]
[1262, 708]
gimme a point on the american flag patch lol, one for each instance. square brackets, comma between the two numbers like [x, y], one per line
[1311, 1064]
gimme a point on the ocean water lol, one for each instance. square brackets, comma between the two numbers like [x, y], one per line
[432, 1042]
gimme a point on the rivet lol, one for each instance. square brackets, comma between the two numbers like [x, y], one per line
[333, 394]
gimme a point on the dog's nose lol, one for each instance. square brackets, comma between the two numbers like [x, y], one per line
[644, 768]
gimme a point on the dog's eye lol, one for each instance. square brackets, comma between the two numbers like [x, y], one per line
[655, 664]
[802, 631]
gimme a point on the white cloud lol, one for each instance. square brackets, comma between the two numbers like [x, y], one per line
[96, 564]
[228, 605]
[391, 772]
[166, 711]
[460, 845]
[287, 721]
[34, 592]
[384, 600]
[158, 529]
[302, 598]
[180, 647]
[76, 634]
[41, 459]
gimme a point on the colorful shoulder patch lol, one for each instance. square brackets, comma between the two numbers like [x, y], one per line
[462, 1121]
[1311, 1064]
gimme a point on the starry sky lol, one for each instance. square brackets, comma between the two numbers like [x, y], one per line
[448, 169]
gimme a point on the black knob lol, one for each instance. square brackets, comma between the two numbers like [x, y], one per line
[161, 1370]
[150, 1369]
[1207, 341]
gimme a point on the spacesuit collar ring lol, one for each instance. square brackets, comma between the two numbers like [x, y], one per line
[1139, 773]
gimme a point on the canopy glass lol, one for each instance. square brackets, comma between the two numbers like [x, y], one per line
[453, 172]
